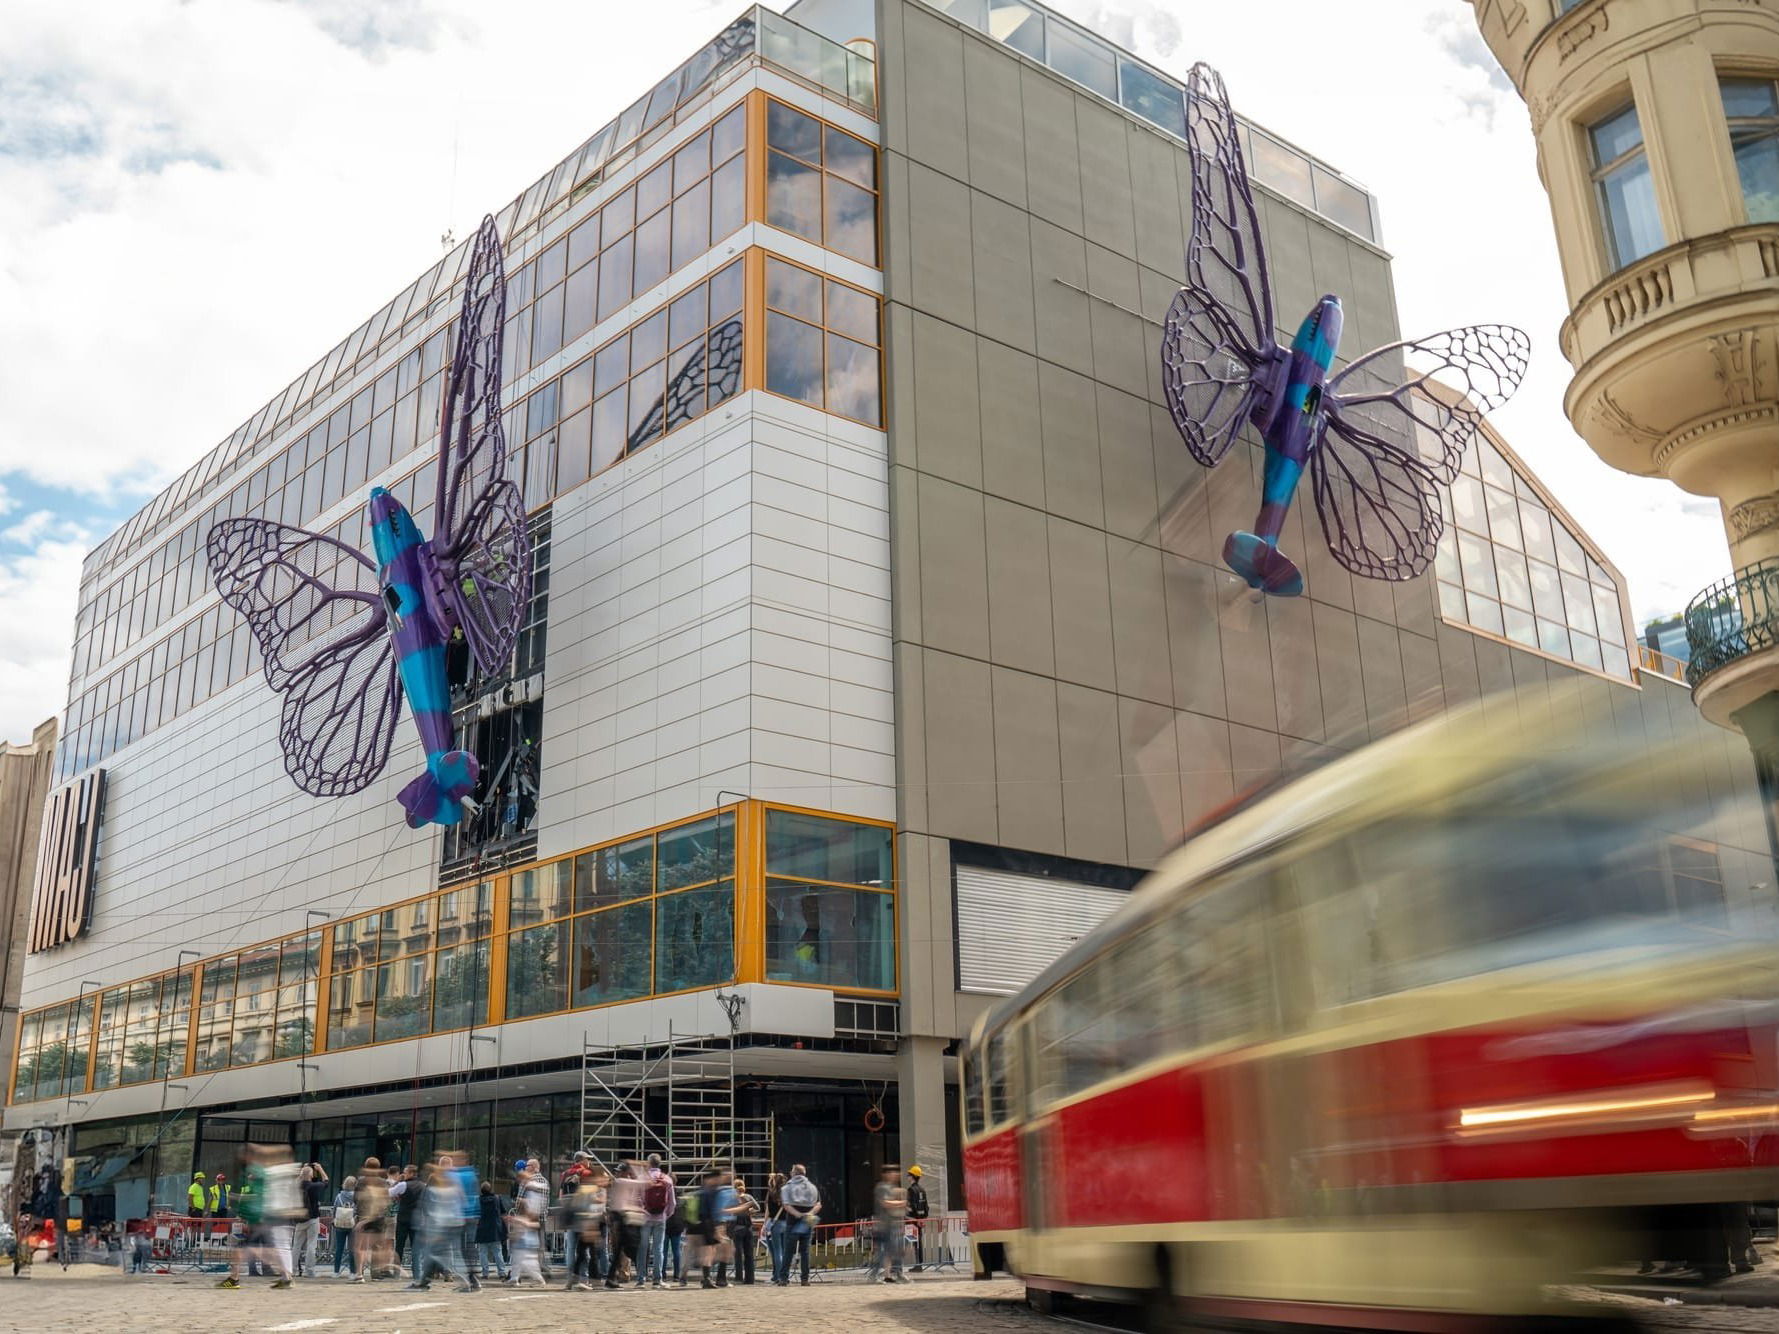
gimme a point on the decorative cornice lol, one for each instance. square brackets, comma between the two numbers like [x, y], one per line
[1611, 414]
[1760, 412]
[1734, 352]
[1582, 30]
[1754, 516]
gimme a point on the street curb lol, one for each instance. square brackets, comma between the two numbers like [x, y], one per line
[1692, 1296]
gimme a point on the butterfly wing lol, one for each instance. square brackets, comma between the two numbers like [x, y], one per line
[483, 546]
[1379, 504]
[313, 607]
[1220, 362]
[1382, 401]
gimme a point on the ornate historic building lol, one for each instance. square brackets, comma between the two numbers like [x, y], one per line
[1657, 124]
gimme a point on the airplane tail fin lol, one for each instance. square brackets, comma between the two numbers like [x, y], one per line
[1264, 566]
[440, 795]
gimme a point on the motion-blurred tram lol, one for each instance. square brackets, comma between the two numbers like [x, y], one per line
[1399, 1045]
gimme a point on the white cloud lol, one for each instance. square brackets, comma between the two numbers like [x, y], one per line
[37, 590]
[1409, 101]
[200, 197]
[31, 529]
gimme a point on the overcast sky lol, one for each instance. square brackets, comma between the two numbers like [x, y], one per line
[200, 197]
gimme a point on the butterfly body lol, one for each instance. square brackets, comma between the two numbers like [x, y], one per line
[345, 638]
[420, 625]
[1377, 445]
[1290, 426]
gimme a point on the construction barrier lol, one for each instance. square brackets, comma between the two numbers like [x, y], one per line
[944, 1244]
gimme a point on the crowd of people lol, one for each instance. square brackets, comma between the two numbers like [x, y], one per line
[438, 1222]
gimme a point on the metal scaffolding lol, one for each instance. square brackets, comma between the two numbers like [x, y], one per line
[676, 1099]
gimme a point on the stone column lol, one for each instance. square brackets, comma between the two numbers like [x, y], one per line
[920, 1076]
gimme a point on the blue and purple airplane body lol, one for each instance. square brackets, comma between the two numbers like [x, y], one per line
[1377, 444]
[344, 639]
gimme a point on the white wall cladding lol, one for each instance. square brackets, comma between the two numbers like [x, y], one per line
[720, 624]
[207, 845]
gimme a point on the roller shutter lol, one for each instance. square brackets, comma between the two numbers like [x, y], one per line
[1011, 927]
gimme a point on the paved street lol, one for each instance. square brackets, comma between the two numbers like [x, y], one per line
[92, 1298]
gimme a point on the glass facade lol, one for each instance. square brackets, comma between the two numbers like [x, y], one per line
[749, 893]
[1628, 215]
[1086, 59]
[295, 461]
[679, 361]
[1752, 108]
[1507, 565]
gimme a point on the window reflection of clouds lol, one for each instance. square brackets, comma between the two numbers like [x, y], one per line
[852, 379]
[794, 197]
[851, 220]
[793, 358]
[1508, 566]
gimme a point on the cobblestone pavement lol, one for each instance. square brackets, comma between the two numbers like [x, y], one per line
[91, 1298]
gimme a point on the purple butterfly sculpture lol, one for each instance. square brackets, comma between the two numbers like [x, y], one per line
[1379, 443]
[343, 638]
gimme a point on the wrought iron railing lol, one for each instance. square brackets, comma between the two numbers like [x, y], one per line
[1733, 618]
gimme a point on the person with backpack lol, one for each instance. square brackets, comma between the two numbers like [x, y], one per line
[584, 1219]
[491, 1211]
[716, 1201]
[344, 1221]
[657, 1203]
[802, 1205]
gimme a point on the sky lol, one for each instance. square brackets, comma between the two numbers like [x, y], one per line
[198, 198]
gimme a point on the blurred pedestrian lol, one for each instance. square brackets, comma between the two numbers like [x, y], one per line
[469, 1212]
[344, 1222]
[715, 1197]
[491, 1215]
[889, 1208]
[676, 1236]
[623, 1212]
[308, 1225]
[404, 1198]
[371, 1236]
[584, 1211]
[524, 1225]
[438, 1224]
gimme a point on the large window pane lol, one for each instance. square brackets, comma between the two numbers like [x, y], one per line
[794, 197]
[537, 971]
[654, 240]
[1081, 58]
[691, 854]
[691, 224]
[834, 937]
[1018, 25]
[695, 938]
[611, 875]
[853, 380]
[612, 959]
[791, 131]
[728, 198]
[542, 893]
[850, 157]
[811, 847]
[349, 1009]
[1152, 97]
[1632, 225]
[793, 358]
[851, 220]
[794, 290]
[460, 991]
[404, 997]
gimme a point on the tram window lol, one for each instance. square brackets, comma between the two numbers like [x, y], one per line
[1000, 1100]
[973, 1109]
[1224, 965]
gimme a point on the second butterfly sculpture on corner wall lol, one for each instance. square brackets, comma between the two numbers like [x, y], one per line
[1378, 445]
[344, 638]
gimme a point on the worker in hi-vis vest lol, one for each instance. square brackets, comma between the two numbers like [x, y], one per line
[196, 1196]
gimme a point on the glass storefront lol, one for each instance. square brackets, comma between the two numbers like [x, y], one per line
[748, 893]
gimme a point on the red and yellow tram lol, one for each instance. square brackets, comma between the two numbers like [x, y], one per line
[1399, 1045]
